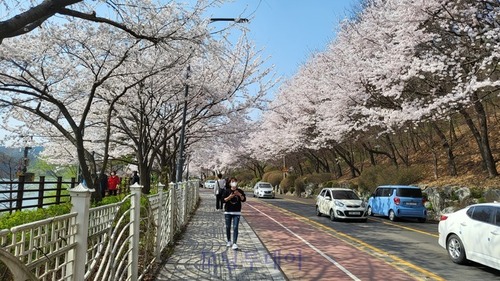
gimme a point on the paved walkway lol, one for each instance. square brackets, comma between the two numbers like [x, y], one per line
[201, 254]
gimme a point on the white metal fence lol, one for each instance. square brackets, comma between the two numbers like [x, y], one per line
[120, 241]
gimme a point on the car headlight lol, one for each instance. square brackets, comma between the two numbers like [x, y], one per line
[339, 204]
[363, 204]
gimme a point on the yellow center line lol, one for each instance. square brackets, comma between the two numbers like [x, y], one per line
[407, 228]
[361, 245]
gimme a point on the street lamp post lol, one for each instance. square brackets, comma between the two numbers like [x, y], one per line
[180, 162]
[236, 20]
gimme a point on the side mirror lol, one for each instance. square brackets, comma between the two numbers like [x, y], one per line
[328, 198]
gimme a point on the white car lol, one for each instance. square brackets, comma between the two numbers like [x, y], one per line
[340, 203]
[210, 184]
[472, 233]
[263, 190]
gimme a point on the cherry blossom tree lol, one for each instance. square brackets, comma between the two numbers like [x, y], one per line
[70, 82]
[395, 66]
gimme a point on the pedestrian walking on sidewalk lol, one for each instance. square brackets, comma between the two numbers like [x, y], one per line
[219, 189]
[233, 198]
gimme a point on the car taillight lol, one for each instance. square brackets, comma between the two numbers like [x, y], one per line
[424, 200]
[443, 217]
[397, 200]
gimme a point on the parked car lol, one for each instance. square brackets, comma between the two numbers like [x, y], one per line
[340, 203]
[263, 190]
[398, 201]
[472, 233]
[210, 184]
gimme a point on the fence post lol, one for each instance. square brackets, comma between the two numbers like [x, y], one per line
[171, 212]
[20, 193]
[58, 191]
[196, 192]
[80, 199]
[159, 224]
[184, 202]
[41, 191]
[135, 218]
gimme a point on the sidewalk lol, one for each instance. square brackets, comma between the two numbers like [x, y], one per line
[201, 254]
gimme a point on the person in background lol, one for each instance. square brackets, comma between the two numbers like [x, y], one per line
[233, 198]
[113, 182]
[103, 184]
[135, 178]
[220, 187]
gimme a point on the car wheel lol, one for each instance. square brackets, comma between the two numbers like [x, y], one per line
[392, 215]
[369, 211]
[332, 215]
[456, 249]
[318, 213]
[254, 195]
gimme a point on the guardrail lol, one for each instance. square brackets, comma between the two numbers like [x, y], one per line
[120, 241]
[24, 194]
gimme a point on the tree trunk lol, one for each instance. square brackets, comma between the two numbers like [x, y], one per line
[452, 168]
[392, 153]
[481, 135]
[344, 154]
[336, 165]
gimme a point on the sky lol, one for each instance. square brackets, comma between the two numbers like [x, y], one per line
[289, 31]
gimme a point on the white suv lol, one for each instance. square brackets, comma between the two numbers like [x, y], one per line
[340, 203]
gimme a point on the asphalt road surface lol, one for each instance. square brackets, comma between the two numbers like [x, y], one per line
[308, 247]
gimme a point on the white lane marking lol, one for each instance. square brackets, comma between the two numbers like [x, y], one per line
[338, 265]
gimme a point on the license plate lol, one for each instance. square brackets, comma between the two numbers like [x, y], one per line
[411, 203]
[355, 213]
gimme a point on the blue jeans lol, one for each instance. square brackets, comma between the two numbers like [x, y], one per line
[236, 222]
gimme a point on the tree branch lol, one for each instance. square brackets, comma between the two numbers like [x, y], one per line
[94, 18]
[32, 18]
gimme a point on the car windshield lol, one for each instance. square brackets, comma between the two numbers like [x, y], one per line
[344, 194]
[409, 192]
[265, 185]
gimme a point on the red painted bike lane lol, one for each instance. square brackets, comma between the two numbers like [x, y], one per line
[306, 252]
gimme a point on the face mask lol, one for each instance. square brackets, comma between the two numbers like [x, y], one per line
[234, 184]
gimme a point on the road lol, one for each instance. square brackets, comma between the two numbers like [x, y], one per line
[308, 247]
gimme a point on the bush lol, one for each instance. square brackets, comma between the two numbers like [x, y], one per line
[332, 183]
[476, 192]
[287, 183]
[245, 178]
[372, 177]
[273, 177]
[8, 221]
[316, 180]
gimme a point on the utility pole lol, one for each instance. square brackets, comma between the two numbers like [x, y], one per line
[180, 161]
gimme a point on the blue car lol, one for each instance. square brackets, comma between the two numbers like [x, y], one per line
[398, 201]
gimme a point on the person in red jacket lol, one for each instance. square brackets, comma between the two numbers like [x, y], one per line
[113, 182]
